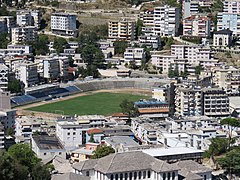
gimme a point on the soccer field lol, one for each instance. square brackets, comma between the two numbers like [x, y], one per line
[100, 103]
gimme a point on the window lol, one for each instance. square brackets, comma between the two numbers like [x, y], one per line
[205, 177]
[169, 176]
[135, 175]
[116, 177]
[149, 174]
[164, 176]
[60, 153]
[112, 177]
[87, 173]
[121, 176]
[130, 176]
[173, 175]
[68, 133]
[74, 133]
[139, 175]
[126, 175]
[144, 174]
[44, 154]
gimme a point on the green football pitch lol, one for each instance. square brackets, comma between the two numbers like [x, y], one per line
[100, 103]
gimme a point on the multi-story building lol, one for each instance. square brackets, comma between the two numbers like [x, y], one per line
[195, 54]
[1, 136]
[222, 38]
[166, 21]
[215, 102]
[28, 18]
[6, 23]
[63, 24]
[198, 26]
[229, 21]
[190, 7]
[147, 18]
[151, 41]
[227, 78]
[23, 34]
[63, 67]
[231, 6]
[122, 29]
[72, 133]
[167, 62]
[136, 55]
[50, 69]
[187, 101]
[3, 77]
[25, 127]
[27, 73]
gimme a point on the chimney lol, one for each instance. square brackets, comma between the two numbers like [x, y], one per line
[165, 142]
[179, 137]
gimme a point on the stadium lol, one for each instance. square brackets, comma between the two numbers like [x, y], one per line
[51, 92]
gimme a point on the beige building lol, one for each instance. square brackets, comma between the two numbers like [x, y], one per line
[227, 78]
[122, 29]
[23, 34]
[198, 26]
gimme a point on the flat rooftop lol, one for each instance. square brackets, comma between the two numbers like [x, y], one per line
[158, 152]
[45, 142]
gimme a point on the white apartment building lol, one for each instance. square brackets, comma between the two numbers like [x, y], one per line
[16, 49]
[28, 18]
[229, 21]
[72, 132]
[165, 62]
[7, 116]
[47, 147]
[3, 77]
[6, 23]
[195, 54]
[27, 73]
[23, 34]
[190, 7]
[231, 6]
[122, 29]
[63, 24]
[136, 55]
[25, 127]
[151, 41]
[147, 18]
[198, 26]
[227, 78]
[166, 21]
[63, 67]
[215, 102]
[50, 69]
[1, 136]
[187, 101]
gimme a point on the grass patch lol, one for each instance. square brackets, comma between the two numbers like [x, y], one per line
[99, 103]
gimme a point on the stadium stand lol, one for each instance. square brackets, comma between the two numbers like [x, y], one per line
[57, 92]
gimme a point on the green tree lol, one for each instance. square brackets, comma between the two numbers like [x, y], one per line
[231, 162]
[71, 61]
[15, 86]
[24, 155]
[109, 65]
[92, 55]
[4, 39]
[231, 123]
[91, 140]
[10, 169]
[139, 26]
[40, 172]
[102, 151]
[198, 69]
[10, 131]
[128, 108]
[120, 47]
[217, 147]
[40, 46]
[59, 44]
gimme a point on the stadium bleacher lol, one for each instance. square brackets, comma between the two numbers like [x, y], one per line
[24, 99]
[84, 87]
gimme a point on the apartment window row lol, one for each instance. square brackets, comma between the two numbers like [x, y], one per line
[131, 175]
